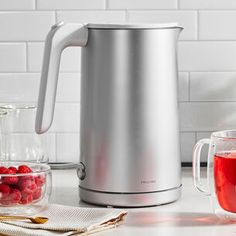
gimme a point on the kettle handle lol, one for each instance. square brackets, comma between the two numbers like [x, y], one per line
[59, 37]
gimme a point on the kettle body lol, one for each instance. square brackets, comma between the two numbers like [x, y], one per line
[129, 111]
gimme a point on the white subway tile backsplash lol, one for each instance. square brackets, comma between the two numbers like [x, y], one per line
[68, 147]
[16, 4]
[35, 56]
[70, 4]
[187, 19]
[207, 4]
[91, 16]
[70, 58]
[201, 135]
[207, 56]
[213, 86]
[21, 87]
[217, 25]
[140, 4]
[68, 87]
[24, 87]
[12, 57]
[187, 142]
[66, 118]
[25, 26]
[183, 86]
[207, 116]
[207, 61]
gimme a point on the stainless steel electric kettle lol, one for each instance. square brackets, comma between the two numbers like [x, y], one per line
[129, 111]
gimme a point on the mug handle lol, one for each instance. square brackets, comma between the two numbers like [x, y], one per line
[196, 165]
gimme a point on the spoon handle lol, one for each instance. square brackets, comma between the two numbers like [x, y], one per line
[14, 218]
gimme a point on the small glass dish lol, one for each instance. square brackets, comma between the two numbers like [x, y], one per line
[24, 193]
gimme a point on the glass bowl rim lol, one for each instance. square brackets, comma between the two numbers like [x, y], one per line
[18, 106]
[222, 134]
[46, 168]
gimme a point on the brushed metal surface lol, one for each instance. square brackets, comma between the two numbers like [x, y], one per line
[130, 200]
[129, 111]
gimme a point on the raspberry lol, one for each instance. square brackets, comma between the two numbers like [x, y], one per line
[37, 194]
[4, 190]
[11, 180]
[26, 198]
[27, 185]
[12, 168]
[24, 169]
[3, 170]
[26, 177]
[13, 198]
[39, 180]
[15, 195]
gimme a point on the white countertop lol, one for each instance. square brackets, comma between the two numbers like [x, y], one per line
[190, 215]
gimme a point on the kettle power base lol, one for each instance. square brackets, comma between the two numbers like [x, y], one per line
[130, 199]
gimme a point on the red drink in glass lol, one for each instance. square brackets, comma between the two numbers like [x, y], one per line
[225, 180]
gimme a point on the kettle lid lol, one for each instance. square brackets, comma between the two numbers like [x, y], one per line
[133, 26]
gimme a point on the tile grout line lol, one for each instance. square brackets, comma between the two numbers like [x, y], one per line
[55, 16]
[189, 74]
[198, 25]
[26, 57]
[187, 131]
[195, 132]
[106, 4]
[127, 15]
[60, 133]
[30, 72]
[118, 9]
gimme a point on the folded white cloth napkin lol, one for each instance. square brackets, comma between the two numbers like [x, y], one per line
[66, 220]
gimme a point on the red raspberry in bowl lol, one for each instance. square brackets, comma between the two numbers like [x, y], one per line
[27, 185]
[13, 197]
[24, 169]
[20, 185]
[12, 168]
[26, 198]
[40, 180]
[37, 194]
[10, 180]
[4, 190]
[26, 177]
[3, 170]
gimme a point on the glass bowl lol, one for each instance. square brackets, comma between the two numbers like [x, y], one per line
[25, 187]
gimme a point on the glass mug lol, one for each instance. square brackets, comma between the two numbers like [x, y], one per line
[21, 141]
[221, 172]
[3, 119]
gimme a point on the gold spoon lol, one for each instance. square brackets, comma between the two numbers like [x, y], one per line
[36, 220]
